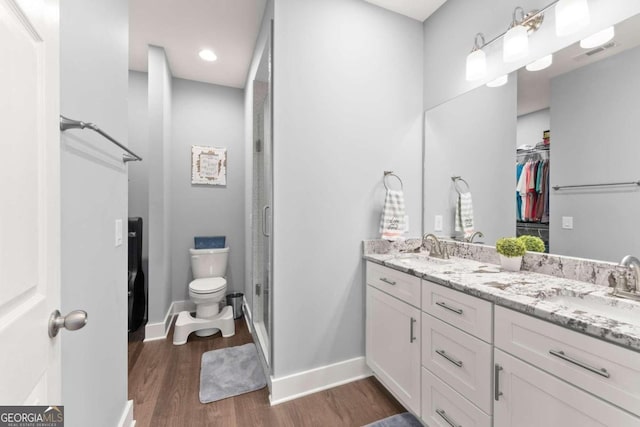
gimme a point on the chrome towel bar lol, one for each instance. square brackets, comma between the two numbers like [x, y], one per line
[560, 187]
[67, 123]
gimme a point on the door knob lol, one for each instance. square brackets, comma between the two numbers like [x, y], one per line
[72, 321]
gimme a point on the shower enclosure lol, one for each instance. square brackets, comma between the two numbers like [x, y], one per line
[262, 203]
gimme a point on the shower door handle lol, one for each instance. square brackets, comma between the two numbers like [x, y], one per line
[264, 221]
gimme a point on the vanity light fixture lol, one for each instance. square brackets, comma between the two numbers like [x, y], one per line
[598, 39]
[571, 16]
[540, 64]
[477, 60]
[208, 55]
[500, 81]
[516, 39]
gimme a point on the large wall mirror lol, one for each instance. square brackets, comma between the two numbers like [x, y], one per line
[589, 101]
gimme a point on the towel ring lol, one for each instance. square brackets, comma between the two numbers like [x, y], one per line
[455, 180]
[388, 174]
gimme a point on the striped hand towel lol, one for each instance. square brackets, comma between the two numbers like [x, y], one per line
[392, 222]
[464, 214]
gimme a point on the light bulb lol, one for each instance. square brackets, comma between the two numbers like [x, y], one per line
[540, 64]
[515, 44]
[500, 81]
[598, 39]
[571, 16]
[476, 65]
[208, 55]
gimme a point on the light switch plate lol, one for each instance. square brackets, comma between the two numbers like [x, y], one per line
[567, 222]
[118, 232]
[437, 223]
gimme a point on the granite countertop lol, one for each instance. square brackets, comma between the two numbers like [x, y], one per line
[529, 292]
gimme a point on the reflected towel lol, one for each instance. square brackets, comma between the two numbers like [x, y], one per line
[392, 221]
[464, 214]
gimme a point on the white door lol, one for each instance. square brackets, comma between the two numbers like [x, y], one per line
[29, 201]
[393, 345]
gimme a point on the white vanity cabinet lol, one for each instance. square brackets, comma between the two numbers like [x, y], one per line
[586, 372]
[393, 332]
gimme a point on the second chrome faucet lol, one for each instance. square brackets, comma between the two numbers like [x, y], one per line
[437, 249]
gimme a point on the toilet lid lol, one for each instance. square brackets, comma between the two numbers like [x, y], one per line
[207, 285]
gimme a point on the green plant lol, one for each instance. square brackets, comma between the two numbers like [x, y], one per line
[532, 243]
[510, 247]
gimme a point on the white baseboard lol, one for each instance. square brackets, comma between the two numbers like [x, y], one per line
[303, 383]
[127, 416]
[159, 331]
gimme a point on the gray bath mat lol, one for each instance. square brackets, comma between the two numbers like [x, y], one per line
[401, 420]
[229, 372]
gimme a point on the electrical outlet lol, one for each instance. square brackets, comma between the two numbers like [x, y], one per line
[567, 222]
[437, 224]
[118, 232]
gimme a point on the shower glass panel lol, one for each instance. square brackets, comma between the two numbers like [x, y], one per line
[262, 210]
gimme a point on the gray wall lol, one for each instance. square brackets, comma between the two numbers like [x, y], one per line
[595, 128]
[209, 115]
[139, 144]
[159, 167]
[201, 114]
[472, 136]
[93, 78]
[348, 106]
[531, 126]
[450, 31]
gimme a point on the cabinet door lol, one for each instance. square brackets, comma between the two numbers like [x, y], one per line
[393, 346]
[532, 398]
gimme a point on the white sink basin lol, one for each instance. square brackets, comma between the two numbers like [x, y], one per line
[613, 308]
[418, 259]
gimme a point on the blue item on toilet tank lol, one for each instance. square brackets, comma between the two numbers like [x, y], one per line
[209, 242]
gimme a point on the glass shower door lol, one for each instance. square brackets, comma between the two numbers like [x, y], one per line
[262, 210]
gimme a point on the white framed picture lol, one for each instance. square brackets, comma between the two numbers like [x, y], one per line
[208, 165]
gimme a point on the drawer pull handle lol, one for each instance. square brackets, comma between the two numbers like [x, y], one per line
[412, 338]
[496, 380]
[600, 371]
[385, 280]
[444, 305]
[446, 418]
[442, 353]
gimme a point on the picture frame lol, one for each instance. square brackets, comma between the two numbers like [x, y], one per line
[208, 165]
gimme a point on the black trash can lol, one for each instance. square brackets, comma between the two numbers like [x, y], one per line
[235, 301]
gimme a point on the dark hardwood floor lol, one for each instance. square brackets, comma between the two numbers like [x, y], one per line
[164, 382]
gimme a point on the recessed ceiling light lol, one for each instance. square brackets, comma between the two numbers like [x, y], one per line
[597, 39]
[208, 55]
[500, 81]
[540, 64]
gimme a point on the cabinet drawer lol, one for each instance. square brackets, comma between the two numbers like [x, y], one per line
[400, 285]
[606, 370]
[459, 359]
[463, 311]
[442, 406]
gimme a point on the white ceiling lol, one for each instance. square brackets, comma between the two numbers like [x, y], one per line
[228, 27]
[416, 9]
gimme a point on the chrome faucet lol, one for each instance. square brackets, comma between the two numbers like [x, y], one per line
[436, 250]
[630, 291]
[473, 236]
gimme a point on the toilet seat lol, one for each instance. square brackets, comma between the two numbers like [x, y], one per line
[207, 285]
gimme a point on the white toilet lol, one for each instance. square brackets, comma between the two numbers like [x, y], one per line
[207, 290]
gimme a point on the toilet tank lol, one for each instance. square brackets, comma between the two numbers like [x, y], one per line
[209, 262]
